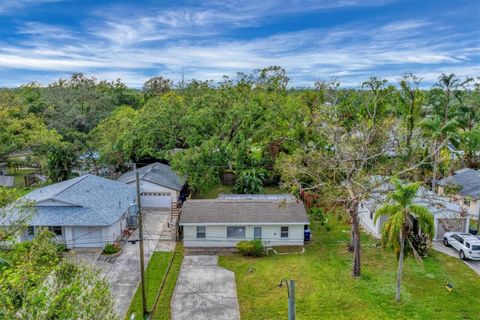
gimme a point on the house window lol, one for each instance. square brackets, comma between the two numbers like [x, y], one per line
[371, 215]
[201, 232]
[56, 229]
[30, 231]
[466, 202]
[235, 232]
[283, 232]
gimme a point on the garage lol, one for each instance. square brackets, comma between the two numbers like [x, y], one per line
[87, 237]
[449, 225]
[156, 199]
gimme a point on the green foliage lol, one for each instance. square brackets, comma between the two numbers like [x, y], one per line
[323, 283]
[60, 161]
[154, 274]
[111, 248]
[401, 212]
[9, 206]
[38, 284]
[249, 181]
[252, 248]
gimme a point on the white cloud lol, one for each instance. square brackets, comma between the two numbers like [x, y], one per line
[131, 48]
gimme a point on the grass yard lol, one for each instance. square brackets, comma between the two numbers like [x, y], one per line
[214, 192]
[162, 312]
[153, 278]
[326, 290]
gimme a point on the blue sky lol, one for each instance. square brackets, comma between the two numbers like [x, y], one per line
[350, 40]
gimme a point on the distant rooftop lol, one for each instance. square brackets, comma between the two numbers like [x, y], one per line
[6, 181]
[468, 179]
[157, 173]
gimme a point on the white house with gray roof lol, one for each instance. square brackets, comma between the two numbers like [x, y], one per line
[159, 184]
[222, 222]
[467, 184]
[87, 211]
[448, 215]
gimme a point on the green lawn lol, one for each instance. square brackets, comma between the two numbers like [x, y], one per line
[19, 181]
[326, 290]
[153, 278]
[214, 192]
[162, 312]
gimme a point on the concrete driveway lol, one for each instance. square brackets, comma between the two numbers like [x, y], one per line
[438, 245]
[123, 273]
[204, 291]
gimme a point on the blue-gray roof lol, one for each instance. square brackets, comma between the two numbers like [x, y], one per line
[468, 179]
[157, 173]
[84, 201]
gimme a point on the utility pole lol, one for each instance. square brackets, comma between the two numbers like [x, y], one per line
[140, 242]
[291, 297]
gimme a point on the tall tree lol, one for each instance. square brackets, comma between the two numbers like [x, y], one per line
[401, 212]
[411, 101]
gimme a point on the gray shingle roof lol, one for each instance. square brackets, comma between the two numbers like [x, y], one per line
[157, 173]
[468, 179]
[438, 205]
[6, 181]
[243, 211]
[84, 201]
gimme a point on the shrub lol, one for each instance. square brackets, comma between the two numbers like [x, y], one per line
[111, 248]
[252, 248]
[250, 181]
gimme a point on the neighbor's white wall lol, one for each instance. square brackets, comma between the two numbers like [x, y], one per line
[216, 236]
[474, 208]
[371, 227]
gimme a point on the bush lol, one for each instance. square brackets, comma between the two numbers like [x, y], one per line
[111, 249]
[252, 248]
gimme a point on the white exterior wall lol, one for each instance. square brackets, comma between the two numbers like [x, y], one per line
[474, 208]
[216, 235]
[146, 186]
[375, 229]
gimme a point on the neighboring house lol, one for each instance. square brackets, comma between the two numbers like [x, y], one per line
[465, 184]
[6, 181]
[86, 211]
[276, 220]
[159, 184]
[448, 215]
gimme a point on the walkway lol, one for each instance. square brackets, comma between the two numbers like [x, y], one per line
[204, 291]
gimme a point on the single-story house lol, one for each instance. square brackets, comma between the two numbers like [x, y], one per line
[222, 222]
[465, 185]
[448, 215]
[6, 181]
[87, 211]
[160, 186]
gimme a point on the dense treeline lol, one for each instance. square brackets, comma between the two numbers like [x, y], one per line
[326, 140]
[242, 124]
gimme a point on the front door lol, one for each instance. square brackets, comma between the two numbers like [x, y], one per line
[257, 233]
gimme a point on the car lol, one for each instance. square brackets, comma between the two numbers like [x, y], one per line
[467, 245]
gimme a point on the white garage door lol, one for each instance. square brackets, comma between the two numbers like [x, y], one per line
[156, 199]
[87, 237]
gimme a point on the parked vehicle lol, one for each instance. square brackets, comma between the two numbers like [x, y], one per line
[467, 245]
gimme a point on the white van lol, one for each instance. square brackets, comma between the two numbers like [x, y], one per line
[467, 245]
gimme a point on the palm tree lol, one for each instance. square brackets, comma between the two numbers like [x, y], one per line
[402, 212]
